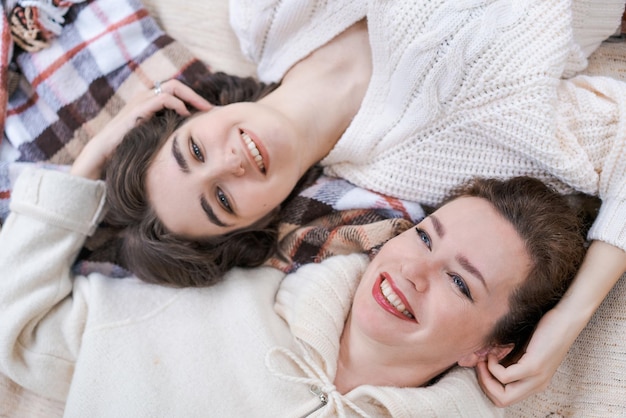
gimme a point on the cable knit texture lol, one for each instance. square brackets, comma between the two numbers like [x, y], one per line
[466, 88]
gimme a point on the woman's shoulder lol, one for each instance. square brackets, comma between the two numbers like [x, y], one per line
[332, 281]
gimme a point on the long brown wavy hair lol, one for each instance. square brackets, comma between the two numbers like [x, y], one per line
[148, 249]
[552, 227]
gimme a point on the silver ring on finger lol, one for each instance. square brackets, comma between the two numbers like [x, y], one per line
[157, 88]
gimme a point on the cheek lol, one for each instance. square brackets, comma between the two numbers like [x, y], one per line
[262, 197]
[255, 201]
[460, 324]
[363, 297]
[366, 313]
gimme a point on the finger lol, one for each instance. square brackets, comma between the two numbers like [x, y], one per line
[515, 392]
[508, 374]
[167, 101]
[489, 384]
[185, 93]
[503, 395]
[155, 102]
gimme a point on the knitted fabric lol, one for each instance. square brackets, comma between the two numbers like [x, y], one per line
[464, 89]
[591, 381]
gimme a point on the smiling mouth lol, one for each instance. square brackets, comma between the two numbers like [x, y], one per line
[394, 299]
[258, 158]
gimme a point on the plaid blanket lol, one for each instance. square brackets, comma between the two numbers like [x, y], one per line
[75, 81]
[107, 51]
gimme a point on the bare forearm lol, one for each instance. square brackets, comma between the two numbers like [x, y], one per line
[91, 161]
[174, 95]
[602, 267]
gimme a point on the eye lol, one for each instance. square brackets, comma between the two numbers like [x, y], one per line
[195, 150]
[223, 200]
[424, 237]
[460, 283]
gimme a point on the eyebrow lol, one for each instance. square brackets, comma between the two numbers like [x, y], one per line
[439, 229]
[465, 263]
[210, 213]
[471, 269]
[184, 167]
[178, 156]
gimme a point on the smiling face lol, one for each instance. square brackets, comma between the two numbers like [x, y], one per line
[223, 170]
[433, 294]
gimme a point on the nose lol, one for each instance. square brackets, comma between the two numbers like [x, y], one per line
[234, 163]
[419, 272]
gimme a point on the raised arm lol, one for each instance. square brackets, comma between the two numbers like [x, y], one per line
[51, 214]
[43, 307]
[172, 94]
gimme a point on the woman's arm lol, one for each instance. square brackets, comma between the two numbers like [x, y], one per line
[91, 161]
[51, 214]
[592, 111]
[42, 311]
[604, 264]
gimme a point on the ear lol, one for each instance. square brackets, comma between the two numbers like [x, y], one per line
[472, 359]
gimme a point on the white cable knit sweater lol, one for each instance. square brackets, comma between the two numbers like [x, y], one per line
[465, 88]
[125, 348]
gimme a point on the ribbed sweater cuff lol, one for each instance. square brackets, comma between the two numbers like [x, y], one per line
[59, 199]
[610, 225]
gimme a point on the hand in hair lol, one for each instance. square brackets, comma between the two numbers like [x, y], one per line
[556, 332]
[534, 370]
[171, 94]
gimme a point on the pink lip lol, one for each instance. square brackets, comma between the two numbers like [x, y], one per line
[262, 150]
[382, 300]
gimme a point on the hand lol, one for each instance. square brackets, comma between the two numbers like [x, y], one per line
[173, 95]
[602, 267]
[534, 370]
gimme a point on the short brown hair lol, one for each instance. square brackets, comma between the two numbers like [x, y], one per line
[149, 250]
[552, 231]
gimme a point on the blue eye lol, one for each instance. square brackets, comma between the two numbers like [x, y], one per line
[423, 236]
[223, 200]
[460, 283]
[195, 149]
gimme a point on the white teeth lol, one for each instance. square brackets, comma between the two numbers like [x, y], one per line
[253, 150]
[392, 298]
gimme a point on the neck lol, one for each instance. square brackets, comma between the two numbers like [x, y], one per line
[322, 93]
[365, 364]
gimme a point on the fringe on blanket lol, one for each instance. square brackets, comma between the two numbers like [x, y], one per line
[34, 23]
[31, 25]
